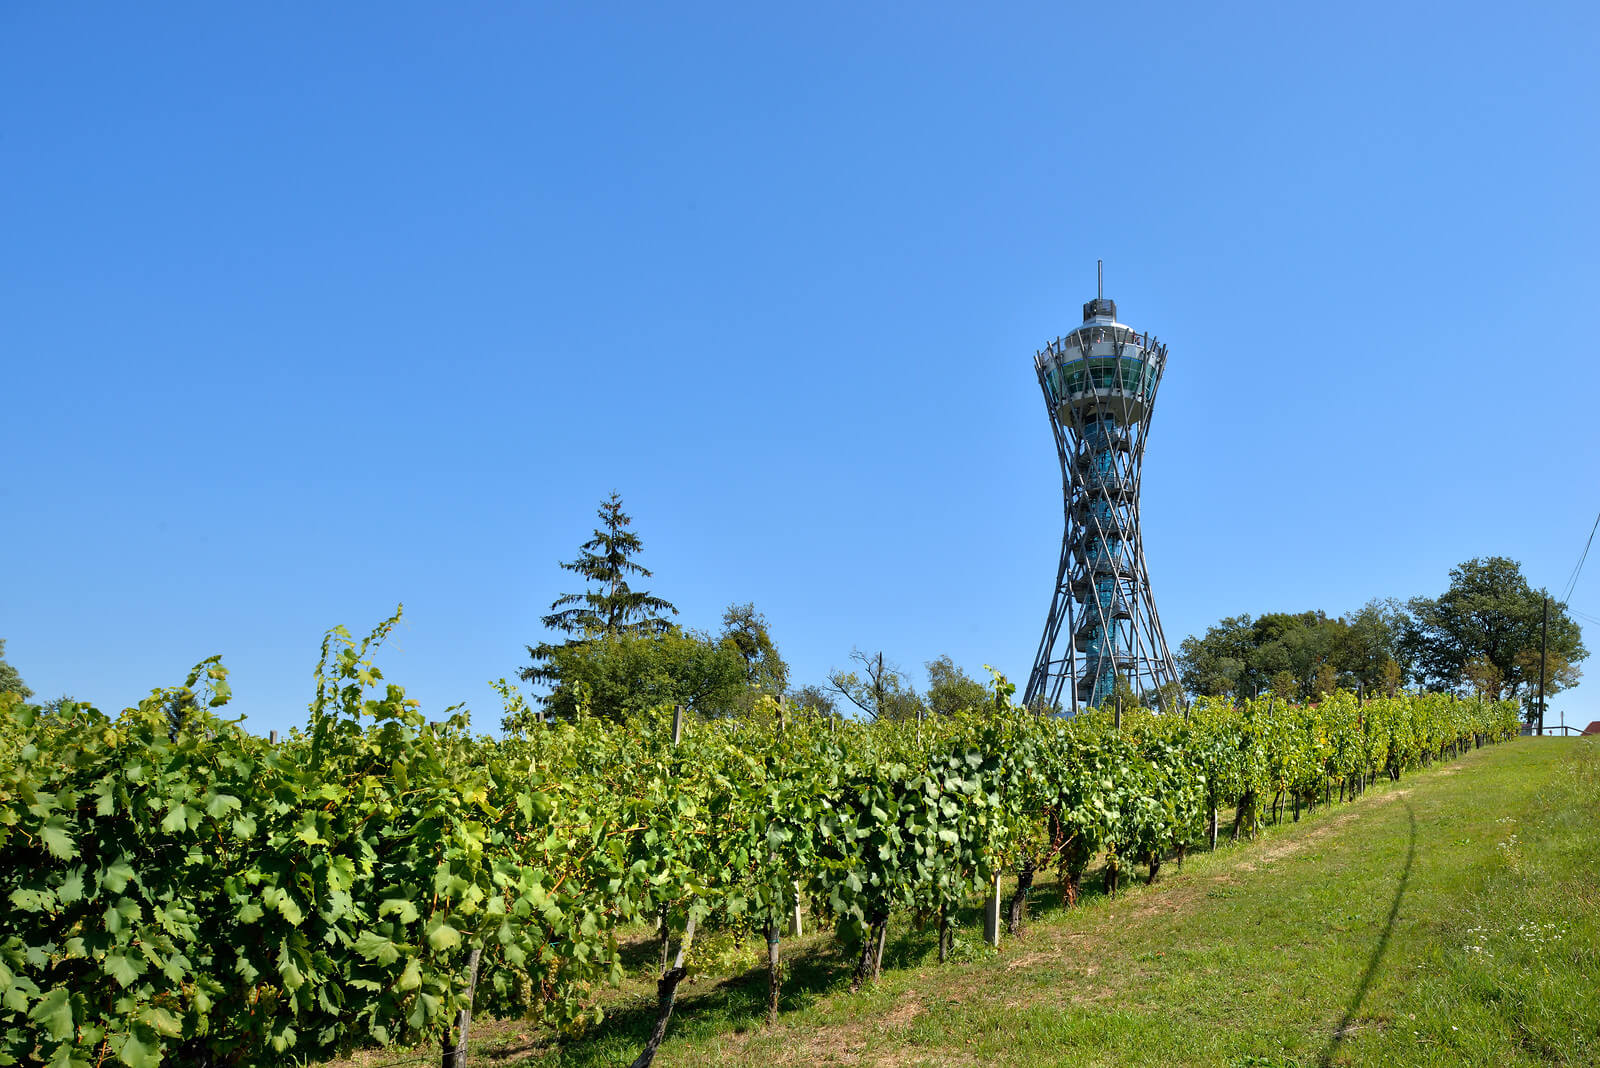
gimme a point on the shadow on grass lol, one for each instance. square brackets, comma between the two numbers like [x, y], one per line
[737, 1004]
[1378, 951]
[705, 1005]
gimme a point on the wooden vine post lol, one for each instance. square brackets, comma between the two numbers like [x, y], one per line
[454, 1051]
[774, 931]
[991, 914]
[774, 973]
[667, 985]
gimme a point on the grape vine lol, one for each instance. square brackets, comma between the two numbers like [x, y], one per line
[179, 891]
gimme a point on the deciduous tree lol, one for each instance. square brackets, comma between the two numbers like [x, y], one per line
[1490, 617]
[10, 680]
[747, 632]
[1484, 678]
[1324, 681]
[1368, 644]
[880, 690]
[618, 677]
[952, 690]
[1241, 656]
[814, 697]
[1213, 665]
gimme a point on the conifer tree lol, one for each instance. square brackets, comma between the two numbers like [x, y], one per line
[610, 607]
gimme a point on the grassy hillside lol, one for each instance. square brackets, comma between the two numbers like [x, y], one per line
[1451, 918]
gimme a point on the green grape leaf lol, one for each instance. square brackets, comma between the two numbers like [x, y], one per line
[162, 1021]
[402, 907]
[54, 1014]
[444, 937]
[375, 947]
[53, 833]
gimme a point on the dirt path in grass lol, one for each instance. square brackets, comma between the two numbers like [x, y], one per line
[1355, 810]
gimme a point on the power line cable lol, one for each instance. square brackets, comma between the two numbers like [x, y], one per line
[1576, 571]
[1587, 617]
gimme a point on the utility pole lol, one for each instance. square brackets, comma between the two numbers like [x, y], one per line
[1544, 636]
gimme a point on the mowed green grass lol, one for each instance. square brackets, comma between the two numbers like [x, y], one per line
[1451, 918]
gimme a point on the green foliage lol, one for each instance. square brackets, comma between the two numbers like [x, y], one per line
[748, 633]
[951, 690]
[813, 697]
[619, 677]
[879, 691]
[1483, 634]
[178, 890]
[609, 607]
[1214, 664]
[10, 681]
[1295, 655]
[623, 658]
[1257, 956]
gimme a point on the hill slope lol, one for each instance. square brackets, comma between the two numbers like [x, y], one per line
[1453, 918]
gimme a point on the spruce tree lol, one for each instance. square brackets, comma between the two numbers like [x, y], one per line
[610, 607]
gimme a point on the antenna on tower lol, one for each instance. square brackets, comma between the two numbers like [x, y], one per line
[1100, 279]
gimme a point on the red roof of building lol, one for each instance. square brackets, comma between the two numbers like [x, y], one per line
[1593, 728]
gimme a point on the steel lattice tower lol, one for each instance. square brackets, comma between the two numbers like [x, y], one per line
[1099, 385]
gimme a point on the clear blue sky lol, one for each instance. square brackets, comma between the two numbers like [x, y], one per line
[311, 309]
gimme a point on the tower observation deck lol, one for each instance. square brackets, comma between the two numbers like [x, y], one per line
[1099, 386]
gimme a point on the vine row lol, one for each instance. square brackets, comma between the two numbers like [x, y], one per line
[179, 891]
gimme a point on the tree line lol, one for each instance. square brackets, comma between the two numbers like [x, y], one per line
[617, 652]
[1481, 636]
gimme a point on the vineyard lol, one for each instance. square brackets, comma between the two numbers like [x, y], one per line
[182, 892]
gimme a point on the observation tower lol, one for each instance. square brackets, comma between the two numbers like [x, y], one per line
[1099, 386]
